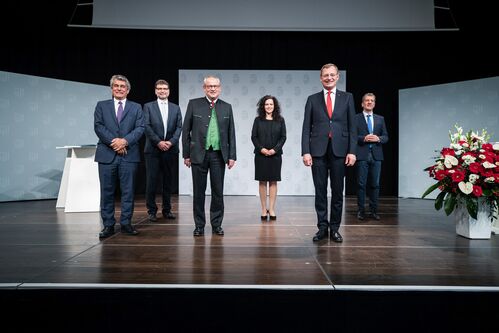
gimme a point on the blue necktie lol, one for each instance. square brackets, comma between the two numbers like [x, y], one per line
[120, 111]
[370, 127]
[369, 124]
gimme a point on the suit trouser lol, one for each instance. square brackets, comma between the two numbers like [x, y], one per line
[109, 174]
[156, 164]
[332, 167]
[214, 163]
[368, 173]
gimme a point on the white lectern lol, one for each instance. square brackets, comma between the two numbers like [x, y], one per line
[80, 188]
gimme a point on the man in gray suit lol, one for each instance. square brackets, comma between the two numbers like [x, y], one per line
[208, 144]
[328, 145]
[163, 122]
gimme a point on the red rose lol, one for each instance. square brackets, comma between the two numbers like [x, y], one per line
[486, 173]
[457, 176]
[475, 167]
[440, 174]
[487, 146]
[448, 151]
[477, 191]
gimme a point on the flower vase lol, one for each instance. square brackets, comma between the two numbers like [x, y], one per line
[466, 226]
[495, 224]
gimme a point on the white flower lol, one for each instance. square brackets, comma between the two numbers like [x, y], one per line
[482, 156]
[466, 188]
[489, 179]
[488, 165]
[440, 166]
[468, 159]
[495, 146]
[473, 178]
[465, 145]
[455, 146]
[450, 161]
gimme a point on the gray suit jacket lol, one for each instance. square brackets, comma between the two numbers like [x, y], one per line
[197, 118]
[155, 129]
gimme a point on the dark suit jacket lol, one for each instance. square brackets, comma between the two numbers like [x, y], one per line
[362, 130]
[155, 129]
[317, 125]
[107, 128]
[278, 135]
[197, 118]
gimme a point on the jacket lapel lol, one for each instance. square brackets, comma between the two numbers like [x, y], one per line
[160, 117]
[322, 102]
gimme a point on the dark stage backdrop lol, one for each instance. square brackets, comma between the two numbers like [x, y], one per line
[40, 43]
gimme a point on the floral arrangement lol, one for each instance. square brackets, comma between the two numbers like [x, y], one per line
[465, 171]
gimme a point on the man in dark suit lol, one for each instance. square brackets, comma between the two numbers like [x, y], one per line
[208, 144]
[328, 144]
[163, 122]
[372, 134]
[119, 124]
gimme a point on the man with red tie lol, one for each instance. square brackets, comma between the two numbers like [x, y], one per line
[328, 145]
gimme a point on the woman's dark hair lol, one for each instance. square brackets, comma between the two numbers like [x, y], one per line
[276, 115]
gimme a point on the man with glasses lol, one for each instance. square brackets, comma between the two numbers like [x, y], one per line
[163, 122]
[208, 144]
[328, 145]
[119, 124]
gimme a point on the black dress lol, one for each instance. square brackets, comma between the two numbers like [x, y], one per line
[269, 134]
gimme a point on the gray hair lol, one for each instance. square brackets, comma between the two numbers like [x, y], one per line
[120, 78]
[211, 77]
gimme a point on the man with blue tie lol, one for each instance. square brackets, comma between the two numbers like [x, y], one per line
[163, 122]
[328, 146]
[372, 134]
[119, 125]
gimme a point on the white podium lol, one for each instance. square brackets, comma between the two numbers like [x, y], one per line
[80, 188]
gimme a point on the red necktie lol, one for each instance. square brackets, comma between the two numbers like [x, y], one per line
[329, 105]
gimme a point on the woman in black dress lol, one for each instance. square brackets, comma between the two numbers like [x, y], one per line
[268, 136]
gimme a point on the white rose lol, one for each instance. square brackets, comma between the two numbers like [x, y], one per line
[495, 146]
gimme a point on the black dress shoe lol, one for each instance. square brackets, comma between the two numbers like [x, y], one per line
[128, 229]
[272, 217]
[361, 216]
[336, 237]
[320, 235]
[198, 231]
[106, 232]
[169, 215]
[218, 231]
[375, 216]
[152, 217]
[263, 217]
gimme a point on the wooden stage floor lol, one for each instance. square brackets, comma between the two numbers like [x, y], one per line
[413, 246]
